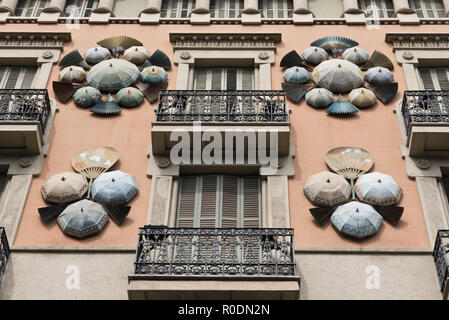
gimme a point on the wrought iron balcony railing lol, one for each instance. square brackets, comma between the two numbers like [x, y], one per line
[208, 251]
[4, 252]
[25, 105]
[251, 106]
[440, 251]
[425, 107]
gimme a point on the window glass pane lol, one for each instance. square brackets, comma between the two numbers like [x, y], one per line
[30, 8]
[80, 8]
[200, 82]
[326, 8]
[375, 9]
[122, 8]
[434, 78]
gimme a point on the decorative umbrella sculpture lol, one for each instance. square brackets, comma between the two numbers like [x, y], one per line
[296, 75]
[83, 218]
[64, 90]
[153, 75]
[106, 108]
[319, 98]
[294, 91]
[137, 55]
[355, 55]
[334, 44]
[160, 59]
[315, 55]
[93, 162]
[73, 58]
[379, 76]
[378, 59]
[119, 44]
[362, 98]
[97, 54]
[115, 187]
[87, 97]
[293, 59]
[64, 187]
[342, 108]
[112, 75]
[385, 93]
[129, 97]
[338, 76]
[72, 74]
[356, 219]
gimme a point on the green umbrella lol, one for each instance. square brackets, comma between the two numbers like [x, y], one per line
[153, 74]
[129, 97]
[87, 97]
[112, 75]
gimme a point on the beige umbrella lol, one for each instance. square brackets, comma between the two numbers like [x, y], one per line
[72, 74]
[327, 189]
[338, 76]
[64, 187]
[137, 55]
[362, 98]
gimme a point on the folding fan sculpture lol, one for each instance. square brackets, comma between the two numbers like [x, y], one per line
[93, 162]
[334, 44]
[119, 44]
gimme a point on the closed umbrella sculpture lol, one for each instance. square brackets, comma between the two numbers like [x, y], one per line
[115, 187]
[83, 218]
[356, 219]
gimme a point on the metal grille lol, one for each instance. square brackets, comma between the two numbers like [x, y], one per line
[440, 257]
[215, 251]
[222, 106]
[25, 105]
[4, 252]
[425, 107]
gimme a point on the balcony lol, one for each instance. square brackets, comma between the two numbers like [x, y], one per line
[226, 111]
[202, 263]
[24, 114]
[4, 253]
[426, 121]
[440, 256]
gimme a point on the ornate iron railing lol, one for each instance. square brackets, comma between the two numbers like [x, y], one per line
[4, 252]
[261, 106]
[208, 251]
[425, 107]
[25, 105]
[440, 252]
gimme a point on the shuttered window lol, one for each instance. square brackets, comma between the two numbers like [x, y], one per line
[224, 79]
[80, 8]
[177, 8]
[428, 8]
[226, 8]
[377, 9]
[276, 8]
[434, 78]
[15, 77]
[219, 201]
[3, 183]
[30, 8]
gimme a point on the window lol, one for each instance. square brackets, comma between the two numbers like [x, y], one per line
[30, 8]
[17, 77]
[224, 79]
[326, 8]
[177, 8]
[226, 8]
[434, 78]
[219, 201]
[276, 9]
[80, 8]
[3, 183]
[123, 8]
[376, 9]
[428, 8]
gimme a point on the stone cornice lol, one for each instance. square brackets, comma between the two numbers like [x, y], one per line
[418, 40]
[244, 41]
[34, 40]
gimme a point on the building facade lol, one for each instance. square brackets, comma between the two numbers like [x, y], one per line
[222, 53]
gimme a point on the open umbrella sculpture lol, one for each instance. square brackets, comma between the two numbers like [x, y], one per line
[64, 187]
[87, 97]
[83, 218]
[115, 187]
[112, 75]
[129, 97]
[338, 76]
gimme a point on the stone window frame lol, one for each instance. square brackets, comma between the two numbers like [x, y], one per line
[42, 49]
[413, 50]
[190, 48]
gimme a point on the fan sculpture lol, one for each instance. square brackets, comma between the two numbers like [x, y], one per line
[116, 63]
[337, 65]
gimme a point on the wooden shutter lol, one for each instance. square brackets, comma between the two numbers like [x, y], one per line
[231, 79]
[187, 202]
[216, 79]
[251, 202]
[200, 79]
[426, 78]
[13, 77]
[247, 79]
[28, 77]
[209, 201]
[230, 206]
[441, 74]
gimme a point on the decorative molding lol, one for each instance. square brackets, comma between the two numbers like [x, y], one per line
[189, 40]
[408, 55]
[418, 40]
[34, 40]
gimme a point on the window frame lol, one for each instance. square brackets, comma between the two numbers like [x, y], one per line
[167, 12]
[224, 72]
[275, 9]
[20, 78]
[423, 9]
[434, 76]
[388, 13]
[215, 9]
[35, 9]
[82, 9]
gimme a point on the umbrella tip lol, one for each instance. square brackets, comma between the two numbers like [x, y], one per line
[357, 210]
[380, 181]
[328, 180]
[113, 180]
[82, 210]
[62, 178]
